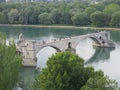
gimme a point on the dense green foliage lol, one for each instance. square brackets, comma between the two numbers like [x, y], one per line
[10, 64]
[100, 83]
[66, 71]
[99, 18]
[2, 39]
[77, 13]
[115, 21]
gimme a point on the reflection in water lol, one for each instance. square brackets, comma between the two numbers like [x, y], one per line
[101, 54]
[109, 66]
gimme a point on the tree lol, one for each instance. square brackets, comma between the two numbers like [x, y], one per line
[13, 16]
[111, 8]
[45, 18]
[100, 83]
[65, 71]
[2, 39]
[89, 11]
[66, 18]
[99, 6]
[56, 15]
[80, 19]
[99, 18]
[10, 64]
[115, 19]
[27, 13]
[106, 2]
[2, 18]
[5, 21]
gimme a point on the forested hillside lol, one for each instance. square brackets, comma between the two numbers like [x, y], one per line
[69, 1]
[80, 13]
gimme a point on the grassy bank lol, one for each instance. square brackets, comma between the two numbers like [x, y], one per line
[62, 26]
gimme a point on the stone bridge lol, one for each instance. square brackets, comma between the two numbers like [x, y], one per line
[29, 48]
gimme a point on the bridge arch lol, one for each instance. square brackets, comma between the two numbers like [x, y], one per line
[56, 48]
[96, 40]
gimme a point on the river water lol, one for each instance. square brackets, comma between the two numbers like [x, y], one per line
[105, 59]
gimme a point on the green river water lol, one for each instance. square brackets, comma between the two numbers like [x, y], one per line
[105, 59]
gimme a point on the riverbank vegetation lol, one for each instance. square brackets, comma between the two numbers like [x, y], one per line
[10, 64]
[78, 13]
[66, 71]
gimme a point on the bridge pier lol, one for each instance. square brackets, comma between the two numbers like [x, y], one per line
[70, 49]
